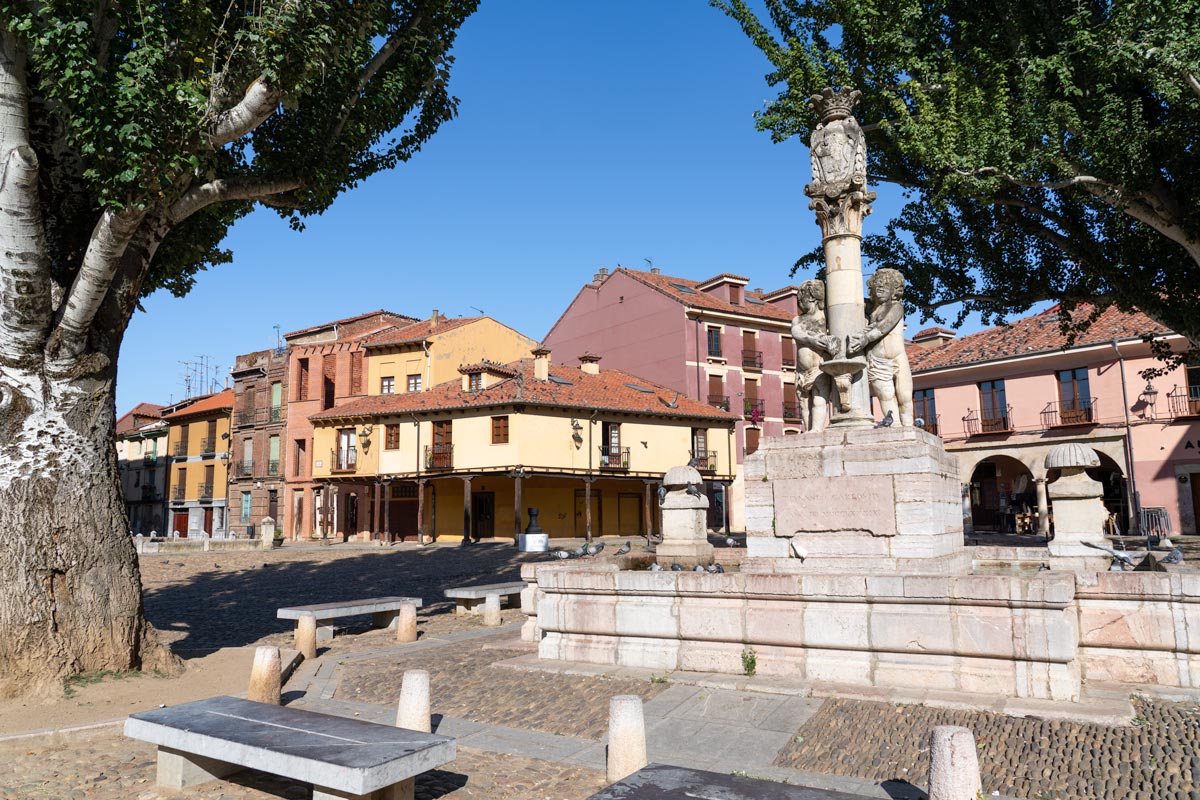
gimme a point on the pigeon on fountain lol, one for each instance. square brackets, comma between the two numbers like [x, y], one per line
[594, 550]
[676, 567]
[730, 541]
[694, 490]
[656, 567]
[1126, 559]
[623, 549]
[1173, 557]
[887, 420]
[581, 551]
[698, 568]
[560, 554]
[715, 569]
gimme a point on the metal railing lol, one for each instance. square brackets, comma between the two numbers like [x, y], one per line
[706, 461]
[719, 401]
[988, 421]
[180, 448]
[614, 457]
[243, 469]
[149, 460]
[273, 468]
[206, 491]
[1184, 401]
[208, 446]
[258, 416]
[1081, 411]
[342, 460]
[149, 492]
[275, 414]
[243, 418]
[753, 408]
[439, 456]
[178, 492]
[752, 359]
[791, 412]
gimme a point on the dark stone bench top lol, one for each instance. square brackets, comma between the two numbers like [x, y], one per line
[334, 752]
[347, 608]
[476, 592]
[659, 782]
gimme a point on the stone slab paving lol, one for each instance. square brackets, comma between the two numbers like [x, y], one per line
[1154, 759]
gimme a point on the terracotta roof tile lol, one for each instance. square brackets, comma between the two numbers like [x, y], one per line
[213, 402]
[697, 298]
[1039, 333]
[930, 332]
[345, 321]
[488, 366]
[416, 332]
[611, 390]
[138, 416]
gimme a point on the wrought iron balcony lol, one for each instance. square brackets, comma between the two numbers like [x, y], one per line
[791, 412]
[719, 401]
[244, 418]
[439, 456]
[706, 461]
[180, 448]
[273, 468]
[206, 491]
[1184, 401]
[243, 469]
[149, 492]
[614, 457]
[752, 359]
[754, 409]
[988, 421]
[208, 446]
[258, 416]
[149, 460]
[275, 414]
[342, 460]
[178, 492]
[1081, 411]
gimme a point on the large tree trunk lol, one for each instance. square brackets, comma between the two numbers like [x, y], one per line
[72, 599]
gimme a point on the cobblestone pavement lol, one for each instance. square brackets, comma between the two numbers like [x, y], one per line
[1156, 759]
[464, 684]
[100, 764]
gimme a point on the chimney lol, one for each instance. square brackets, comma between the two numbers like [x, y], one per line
[433, 320]
[932, 337]
[655, 271]
[589, 363]
[541, 364]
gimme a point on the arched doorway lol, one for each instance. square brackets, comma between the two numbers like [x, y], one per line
[1001, 487]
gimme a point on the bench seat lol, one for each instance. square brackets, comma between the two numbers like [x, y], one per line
[469, 597]
[342, 758]
[385, 612]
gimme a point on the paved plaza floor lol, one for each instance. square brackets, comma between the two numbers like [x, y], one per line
[534, 734]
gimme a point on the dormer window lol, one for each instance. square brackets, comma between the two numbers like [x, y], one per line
[735, 295]
[475, 381]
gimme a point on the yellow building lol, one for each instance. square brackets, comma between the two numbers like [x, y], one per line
[587, 447]
[198, 449]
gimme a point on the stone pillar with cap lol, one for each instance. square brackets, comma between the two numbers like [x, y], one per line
[684, 515]
[1079, 513]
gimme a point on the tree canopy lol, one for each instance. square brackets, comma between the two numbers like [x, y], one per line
[1048, 150]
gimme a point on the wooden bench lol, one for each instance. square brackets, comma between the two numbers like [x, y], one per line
[657, 782]
[344, 759]
[469, 597]
[384, 612]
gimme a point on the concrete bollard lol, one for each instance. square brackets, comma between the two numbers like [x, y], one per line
[953, 764]
[491, 610]
[264, 676]
[306, 637]
[406, 623]
[626, 752]
[413, 712]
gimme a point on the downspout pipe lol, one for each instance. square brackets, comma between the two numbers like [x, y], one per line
[1135, 506]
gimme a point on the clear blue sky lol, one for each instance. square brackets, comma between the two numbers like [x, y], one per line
[589, 135]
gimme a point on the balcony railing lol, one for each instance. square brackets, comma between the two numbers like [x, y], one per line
[753, 408]
[180, 448]
[439, 456]
[791, 412]
[1081, 411]
[258, 416]
[719, 401]
[244, 418]
[1184, 401]
[243, 469]
[178, 492]
[614, 457]
[149, 492]
[988, 421]
[208, 446]
[149, 460]
[341, 460]
[273, 468]
[752, 359]
[275, 414]
[206, 491]
[789, 361]
[706, 461]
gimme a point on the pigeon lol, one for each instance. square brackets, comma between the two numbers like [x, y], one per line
[730, 541]
[594, 550]
[560, 554]
[673, 404]
[582, 549]
[662, 494]
[1126, 559]
[623, 549]
[715, 569]
[887, 420]
[694, 490]
[676, 567]
[656, 567]
[698, 568]
[694, 462]
[1173, 557]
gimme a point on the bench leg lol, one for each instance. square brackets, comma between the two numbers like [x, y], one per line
[324, 630]
[491, 610]
[385, 619]
[466, 605]
[179, 770]
[404, 790]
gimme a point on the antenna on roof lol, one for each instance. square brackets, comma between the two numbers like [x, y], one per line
[480, 310]
[278, 340]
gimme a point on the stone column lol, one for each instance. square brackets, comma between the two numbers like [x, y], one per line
[684, 517]
[466, 537]
[841, 200]
[387, 511]
[517, 478]
[413, 710]
[375, 512]
[626, 752]
[953, 764]
[1043, 508]
[421, 512]
[649, 519]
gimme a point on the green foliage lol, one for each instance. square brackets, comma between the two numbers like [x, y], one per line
[1048, 150]
[749, 661]
[123, 94]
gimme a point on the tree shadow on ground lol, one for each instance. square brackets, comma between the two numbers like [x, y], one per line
[235, 608]
[429, 785]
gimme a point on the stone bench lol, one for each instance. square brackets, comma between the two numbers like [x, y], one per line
[384, 612]
[343, 759]
[469, 597]
[657, 782]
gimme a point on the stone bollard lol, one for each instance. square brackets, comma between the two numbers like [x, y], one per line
[626, 752]
[306, 637]
[413, 712]
[953, 764]
[264, 676]
[491, 610]
[406, 623]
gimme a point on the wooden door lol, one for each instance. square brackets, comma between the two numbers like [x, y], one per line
[751, 440]
[581, 516]
[1194, 480]
[208, 521]
[629, 514]
[483, 515]
[179, 522]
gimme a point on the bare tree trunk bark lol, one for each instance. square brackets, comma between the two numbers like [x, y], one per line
[72, 589]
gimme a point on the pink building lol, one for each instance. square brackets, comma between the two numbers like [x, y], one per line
[1002, 398]
[714, 340]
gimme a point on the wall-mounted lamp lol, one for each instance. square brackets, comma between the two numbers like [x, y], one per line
[1149, 395]
[364, 437]
[575, 426]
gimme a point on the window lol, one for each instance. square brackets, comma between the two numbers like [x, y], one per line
[273, 456]
[387, 384]
[788, 347]
[499, 430]
[302, 380]
[925, 408]
[276, 400]
[347, 452]
[247, 465]
[245, 506]
[391, 437]
[414, 383]
[475, 381]
[611, 454]
[993, 408]
[301, 446]
[714, 342]
[752, 435]
[735, 295]
[1074, 395]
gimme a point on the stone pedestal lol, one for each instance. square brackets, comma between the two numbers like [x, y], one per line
[1079, 516]
[684, 517]
[266, 532]
[854, 500]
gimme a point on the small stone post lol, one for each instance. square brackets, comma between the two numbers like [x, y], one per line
[491, 610]
[626, 752]
[413, 711]
[306, 637]
[953, 764]
[264, 676]
[406, 623]
[266, 533]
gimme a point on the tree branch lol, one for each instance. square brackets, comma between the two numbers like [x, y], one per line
[928, 309]
[992, 172]
[258, 103]
[1148, 215]
[222, 190]
[1192, 83]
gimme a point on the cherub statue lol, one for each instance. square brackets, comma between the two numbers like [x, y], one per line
[813, 345]
[883, 341]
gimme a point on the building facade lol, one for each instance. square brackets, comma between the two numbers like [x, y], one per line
[1002, 398]
[256, 478]
[714, 341]
[198, 442]
[466, 459]
[141, 441]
